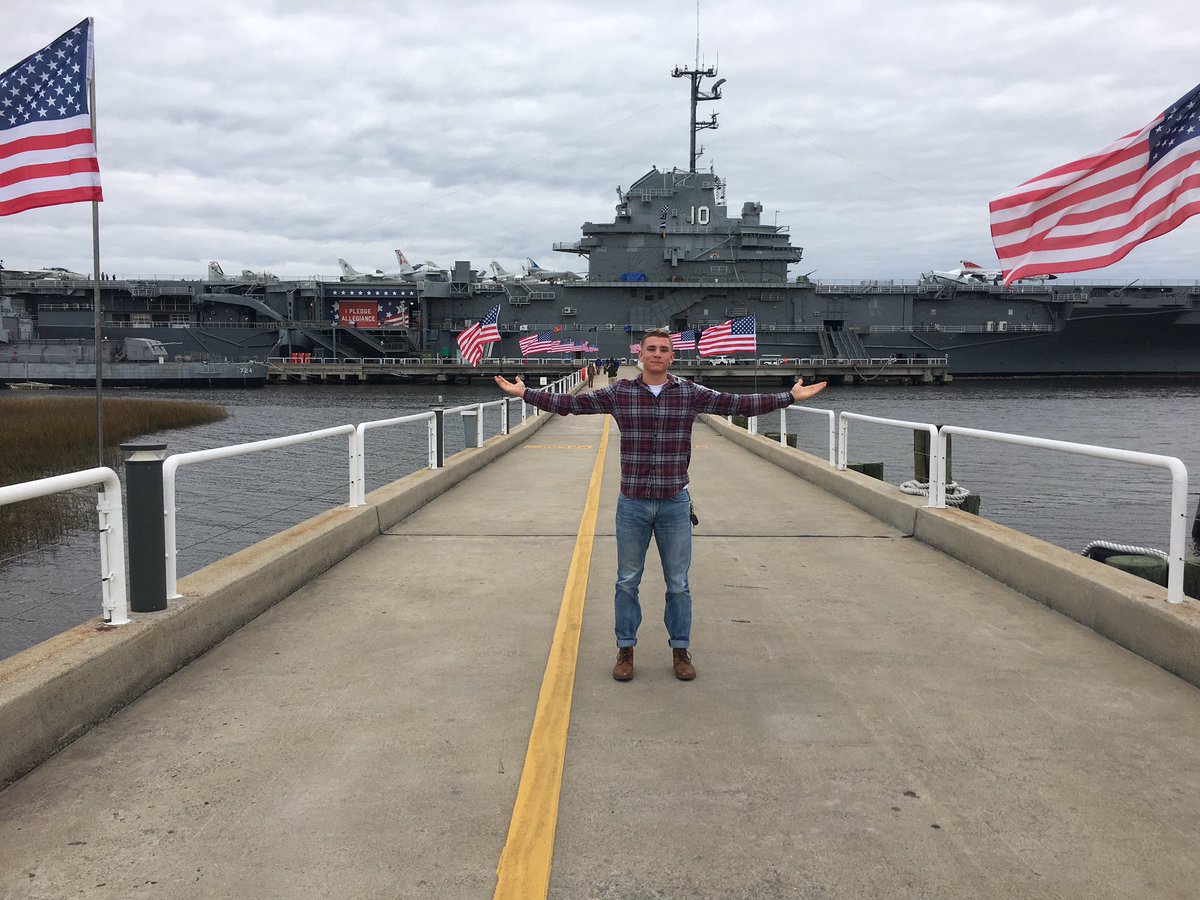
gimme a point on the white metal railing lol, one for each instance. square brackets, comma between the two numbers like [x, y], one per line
[1179, 482]
[937, 484]
[938, 476]
[174, 462]
[783, 432]
[114, 596]
[357, 458]
[358, 482]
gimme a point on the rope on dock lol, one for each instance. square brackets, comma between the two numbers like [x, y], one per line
[1128, 549]
[955, 495]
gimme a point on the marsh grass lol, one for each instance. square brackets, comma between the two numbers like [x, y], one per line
[42, 436]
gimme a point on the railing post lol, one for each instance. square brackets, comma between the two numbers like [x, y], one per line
[939, 464]
[147, 544]
[169, 536]
[358, 466]
[833, 440]
[504, 416]
[752, 424]
[843, 442]
[783, 442]
[115, 601]
[353, 467]
[479, 427]
[439, 436]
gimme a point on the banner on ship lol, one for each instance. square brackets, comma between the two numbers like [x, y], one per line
[371, 307]
[357, 313]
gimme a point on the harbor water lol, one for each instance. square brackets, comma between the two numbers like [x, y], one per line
[227, 505]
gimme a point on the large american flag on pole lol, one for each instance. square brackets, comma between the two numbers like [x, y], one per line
[471, 342]
[1091, 212]
[734, 336]
[47, 150]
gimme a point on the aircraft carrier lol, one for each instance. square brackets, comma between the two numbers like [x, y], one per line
[673, 256]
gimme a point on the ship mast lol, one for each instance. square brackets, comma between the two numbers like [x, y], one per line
[698, 96]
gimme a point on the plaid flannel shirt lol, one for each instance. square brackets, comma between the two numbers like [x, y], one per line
[656, 432]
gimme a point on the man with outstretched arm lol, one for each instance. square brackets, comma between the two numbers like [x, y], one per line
[655, 412]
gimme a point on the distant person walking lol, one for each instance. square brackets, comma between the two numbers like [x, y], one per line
[655, 413]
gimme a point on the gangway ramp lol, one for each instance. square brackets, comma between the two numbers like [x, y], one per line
[871, 719]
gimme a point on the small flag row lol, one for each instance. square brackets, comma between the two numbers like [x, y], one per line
[548, 342]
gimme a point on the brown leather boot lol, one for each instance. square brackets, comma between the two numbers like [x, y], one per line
[684, 670]
[623, 670]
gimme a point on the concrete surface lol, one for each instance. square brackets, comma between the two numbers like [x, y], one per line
[872, 718]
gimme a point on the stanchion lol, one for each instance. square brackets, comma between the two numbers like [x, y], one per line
[439, 435]
[147, 543]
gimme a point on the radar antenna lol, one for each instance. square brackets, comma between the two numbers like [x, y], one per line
[699, 96]
[696, 74]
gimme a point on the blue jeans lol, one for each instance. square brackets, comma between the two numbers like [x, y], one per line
[670, 523]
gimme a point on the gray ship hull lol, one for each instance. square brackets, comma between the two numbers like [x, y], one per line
[137, 374]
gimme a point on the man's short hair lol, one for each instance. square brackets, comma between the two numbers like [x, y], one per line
[657, 332]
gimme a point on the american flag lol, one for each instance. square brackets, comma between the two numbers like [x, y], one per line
[536, 343]
[471, 342]
[47, 152]
[1091, 212]
[734, 336]
[683, 340]
[392, 313]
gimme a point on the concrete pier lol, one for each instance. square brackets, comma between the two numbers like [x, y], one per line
[872, 718]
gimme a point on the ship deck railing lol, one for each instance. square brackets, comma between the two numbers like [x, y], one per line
[54, 285]
[978, 328]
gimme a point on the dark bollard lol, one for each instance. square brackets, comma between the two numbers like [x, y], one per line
[870, 469]
[921, 454]
[1196, 527]
[147, 543]
[439, 435]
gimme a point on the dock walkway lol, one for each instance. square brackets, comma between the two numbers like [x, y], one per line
[871, 719]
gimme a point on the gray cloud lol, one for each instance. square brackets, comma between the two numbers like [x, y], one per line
[284, 135]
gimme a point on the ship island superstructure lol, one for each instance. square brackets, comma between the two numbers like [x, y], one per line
[671, 256]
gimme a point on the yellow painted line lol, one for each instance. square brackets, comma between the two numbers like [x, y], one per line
[561, 446]
[524, 869]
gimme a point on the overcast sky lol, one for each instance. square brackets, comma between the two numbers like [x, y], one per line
[285, 135]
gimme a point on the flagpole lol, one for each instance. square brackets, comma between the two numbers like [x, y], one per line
[96, 314]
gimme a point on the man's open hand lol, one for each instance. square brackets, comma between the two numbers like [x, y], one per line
[801, 392]
[512, 388]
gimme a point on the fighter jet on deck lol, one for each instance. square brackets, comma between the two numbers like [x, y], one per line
[973, 273]
[216, 273]
[537, 273]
